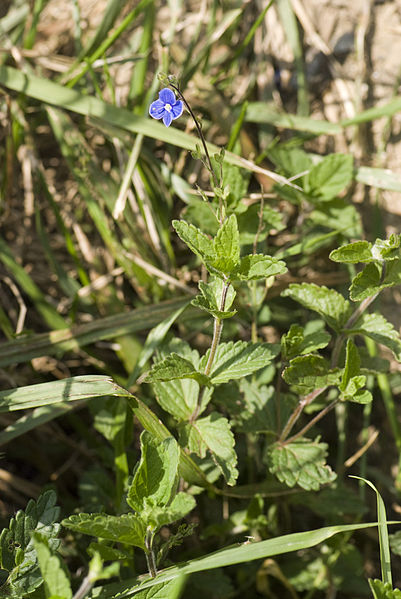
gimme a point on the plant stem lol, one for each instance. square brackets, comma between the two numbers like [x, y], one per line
[303, 402]
[200, 133]
[149, 553]
[312, 422]
[217, 329]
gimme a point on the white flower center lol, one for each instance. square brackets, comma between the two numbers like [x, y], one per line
[167, 107]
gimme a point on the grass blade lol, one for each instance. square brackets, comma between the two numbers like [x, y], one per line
[385, 559]
[70, 339]
[233, 555]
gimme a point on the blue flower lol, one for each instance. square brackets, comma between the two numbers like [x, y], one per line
[167, 107]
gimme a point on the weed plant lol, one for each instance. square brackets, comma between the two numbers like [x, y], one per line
[193, 329]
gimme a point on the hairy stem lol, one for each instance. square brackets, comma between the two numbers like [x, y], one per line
[217, 329]
[149, 553]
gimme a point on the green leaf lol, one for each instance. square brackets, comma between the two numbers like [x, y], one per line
[352, 381]
[380, 330]
[236, 360]
[302, 463]
[155, 480]
[296, 342]
[369, 281]
[226, 247]
[126, 528]
[197, 241]
[213, 434]
[179, 397]
[54, 573]
[182, 504]
[330, 176]
[383, 590]
[210, 300]
[352, 253]
[175, 367]
[364, 251]
[17, 551]
[237, 181]
[258, 266]
[330, 304]
[310, 372]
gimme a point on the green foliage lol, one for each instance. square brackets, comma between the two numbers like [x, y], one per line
[56, 579]
[213, 434]
[92, 254]
[298, 341]
[330, 304]
[301, 462]
[329, 176]
[211, 296]
[383, 590]
[126, 528]
[310, 372]
[175, 367]
[18, 554]
[237, 360]
[352, 381]
[376, 327]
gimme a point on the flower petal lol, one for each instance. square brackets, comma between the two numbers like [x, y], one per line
[167, 118]
[177, 109]
[167, 96]
[156, 109]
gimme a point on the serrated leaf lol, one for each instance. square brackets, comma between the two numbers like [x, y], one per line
[310, 372]
[213, 433]
[369, 281]
[364, 251]
[201, 302]
[125, 528]
[175, 367]
[211, 298]
[179, 397]
[296, 342]
[182, 504]
[352, 382]
[236, 360]
[302, 463]
[258, 266]
[197, 241]
[156, 477]
[226, 247]
[352, 253]
[330, 304]
[56, 579]
[383, 590]
[17, 551]
[330, 176]
[380, 330]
